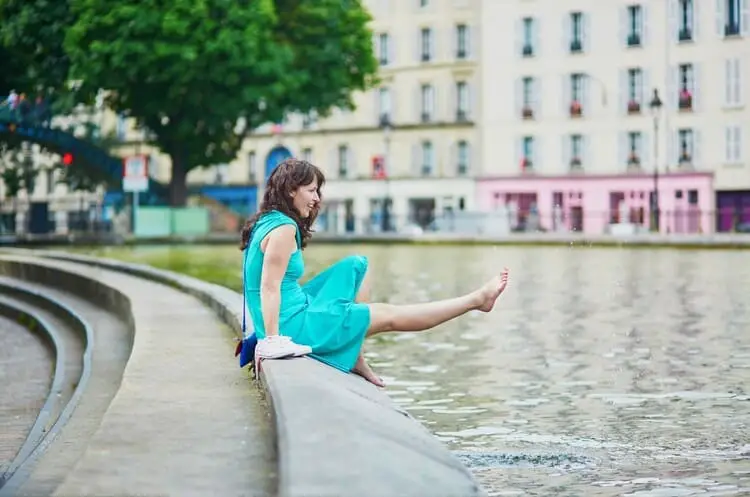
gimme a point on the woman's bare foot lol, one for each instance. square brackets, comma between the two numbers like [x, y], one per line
[488, 294]
[363, 369]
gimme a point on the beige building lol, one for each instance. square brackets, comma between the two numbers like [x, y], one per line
[419, 122]
[608, 58]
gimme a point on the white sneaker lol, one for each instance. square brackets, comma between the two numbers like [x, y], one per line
[279, 347]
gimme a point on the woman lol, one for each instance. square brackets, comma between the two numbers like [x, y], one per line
[329, 316]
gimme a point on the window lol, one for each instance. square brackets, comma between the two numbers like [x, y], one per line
[576, 32]
[635, 90]
[576, 95]
[221, 173]
[384, 104]
[733, 82]
[527, 97]
[635, 149]
[462, 41]
[307, 154]
[308, 120]
[576, 151]
[686, 146]
[427, 158]
[635, 25]
[733, 144]
[527, 30]
[686, 85]
[343, 160]
[462, 101]
[463, 158]
[426, 44]
[427, 103]
[424, 3]
[732, 17]
[527, 151]
[686, 18]
[384, 42]
[252, 167]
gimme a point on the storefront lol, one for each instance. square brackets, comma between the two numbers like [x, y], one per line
[597, 204]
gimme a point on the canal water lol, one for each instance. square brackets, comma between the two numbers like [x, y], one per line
[601, 372]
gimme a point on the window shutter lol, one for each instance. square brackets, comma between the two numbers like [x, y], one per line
[697, 95]
[672, 90]
[519, 98]
[720, 17]
[536, 97]
[695, 19]
[674, 23]
[519, 38]
[697, 160]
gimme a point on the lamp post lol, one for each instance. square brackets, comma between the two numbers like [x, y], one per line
[387, 127]
[656, 105]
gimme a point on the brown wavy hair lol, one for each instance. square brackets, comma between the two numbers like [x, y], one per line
[285, 179]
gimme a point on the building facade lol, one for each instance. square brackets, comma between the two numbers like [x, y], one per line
[572, 136]
[407, 153]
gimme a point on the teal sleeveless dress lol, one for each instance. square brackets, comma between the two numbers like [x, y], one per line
[321, 313]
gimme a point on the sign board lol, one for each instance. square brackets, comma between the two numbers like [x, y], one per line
[135, 174]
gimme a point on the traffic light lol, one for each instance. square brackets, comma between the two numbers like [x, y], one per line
[67, 159]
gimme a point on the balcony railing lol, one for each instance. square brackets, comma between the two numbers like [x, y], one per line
[634, 40]
[685, 101]
[685, 162]
[732, 29]
[576, 110]
[685, 34]
[576, 46]
[634, 162]
[527, 50]
[527, 113]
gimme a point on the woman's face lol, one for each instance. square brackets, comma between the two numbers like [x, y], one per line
[306, 198]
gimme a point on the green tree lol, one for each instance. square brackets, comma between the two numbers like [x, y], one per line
[191, 70]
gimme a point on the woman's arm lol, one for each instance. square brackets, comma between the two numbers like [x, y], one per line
[279, 246]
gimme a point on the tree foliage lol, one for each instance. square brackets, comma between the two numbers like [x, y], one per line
[32, 54]
[190, 70]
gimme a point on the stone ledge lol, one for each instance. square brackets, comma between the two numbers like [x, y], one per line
[142, 422]
[336, 434]
[26, 271]
[26, 316]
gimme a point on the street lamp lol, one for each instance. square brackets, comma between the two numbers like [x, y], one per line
[656, 105]
[387, 127]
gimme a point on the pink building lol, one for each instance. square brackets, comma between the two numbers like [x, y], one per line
[592, 203]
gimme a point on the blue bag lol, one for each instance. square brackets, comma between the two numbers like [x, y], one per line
[246, 346]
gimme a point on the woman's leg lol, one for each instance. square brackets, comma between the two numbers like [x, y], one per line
[420, 317]
[361, 367]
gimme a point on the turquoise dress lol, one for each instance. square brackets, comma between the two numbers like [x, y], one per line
[321, 313]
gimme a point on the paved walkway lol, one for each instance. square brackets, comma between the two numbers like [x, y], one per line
[29, 362]
[185, 420]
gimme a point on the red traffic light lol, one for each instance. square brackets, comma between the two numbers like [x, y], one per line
[67, 159]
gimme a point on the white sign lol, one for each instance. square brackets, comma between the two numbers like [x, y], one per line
[135, 174]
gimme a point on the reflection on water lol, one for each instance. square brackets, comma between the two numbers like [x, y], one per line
[600, 372]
